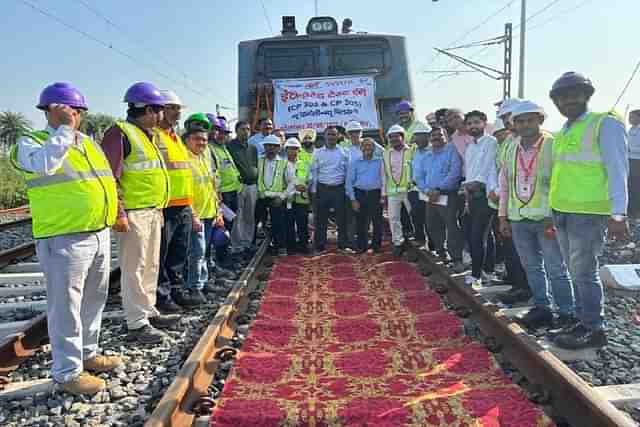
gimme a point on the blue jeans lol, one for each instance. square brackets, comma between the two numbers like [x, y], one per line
[198, 272]
[543, 263]
[581, 238]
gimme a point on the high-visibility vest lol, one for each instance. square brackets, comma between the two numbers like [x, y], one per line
[579, 182]
[144, 182]
[278, 185]
[305, 156]
[393, 187]
[345, 144]
[303, 167]
[80, 195]
[227, 170]
[176, 158]
[537, 207]
[205, 197]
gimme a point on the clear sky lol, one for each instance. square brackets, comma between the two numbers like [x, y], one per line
[194, 43]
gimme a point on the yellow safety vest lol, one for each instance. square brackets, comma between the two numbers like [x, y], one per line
[278, 185]
[80, 195]
[579, 182]
[227, 170]
[537, 207]
[205, 197]
[303, 167]
[177, 160]
[144, 181]
[392, 187]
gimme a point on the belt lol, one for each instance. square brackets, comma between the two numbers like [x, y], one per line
[367, 191]
[330, 187]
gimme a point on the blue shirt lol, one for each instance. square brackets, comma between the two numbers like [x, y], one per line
[355, 151]
[364, 175]
[440, 169]
[329, 167]
[257, 141]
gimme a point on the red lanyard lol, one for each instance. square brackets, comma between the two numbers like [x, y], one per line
[528, 169]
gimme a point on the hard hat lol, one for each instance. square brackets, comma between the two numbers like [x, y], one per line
[171, 98]
[498, 126]
[431, 117]
[292, 143]
[197, 121]
[215, 123]
[527, 106]
[421, 128]
[223, 124]
[572, 79]
[142, 94]
[354, 126]
[271, 140]
[507, 106]
[302, 134]
[403, 107]
[395, 129]
[62, 93]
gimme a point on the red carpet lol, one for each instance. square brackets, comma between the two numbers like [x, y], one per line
[359, 341]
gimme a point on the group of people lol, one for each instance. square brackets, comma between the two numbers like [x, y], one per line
[187, 208]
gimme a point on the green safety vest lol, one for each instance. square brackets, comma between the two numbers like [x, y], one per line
[144, 182]
[177, 160]
[79, 196]
[537, 208]
[278, 186]
[205, 198]
[392, 187]
[227, 170]
[304, 156]
[303, 167]
[579, 182]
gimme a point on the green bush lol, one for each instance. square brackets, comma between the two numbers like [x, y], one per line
[13, 191]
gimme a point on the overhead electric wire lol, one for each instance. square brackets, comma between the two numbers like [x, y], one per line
[626, 86]
[266, 17]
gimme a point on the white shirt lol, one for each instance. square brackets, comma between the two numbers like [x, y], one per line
[634, 142]
[480, 162]
[45, 159]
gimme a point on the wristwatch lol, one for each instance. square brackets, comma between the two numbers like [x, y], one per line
[618, 217]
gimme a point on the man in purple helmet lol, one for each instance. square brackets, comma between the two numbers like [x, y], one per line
[406, 119]
[143, 189]
[73, 200]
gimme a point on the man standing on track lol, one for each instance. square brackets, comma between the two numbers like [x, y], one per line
[419, 147]
[406, 119]
[588, 195]
[143, 185]
[297, 213]
[73, 201]
[266, 128]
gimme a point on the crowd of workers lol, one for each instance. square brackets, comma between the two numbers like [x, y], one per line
[187, 208]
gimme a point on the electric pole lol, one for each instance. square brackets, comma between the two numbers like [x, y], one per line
[523, 30]
[316, 6]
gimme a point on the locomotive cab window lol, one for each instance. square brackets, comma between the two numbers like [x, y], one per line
[354, 59]
[290, 62]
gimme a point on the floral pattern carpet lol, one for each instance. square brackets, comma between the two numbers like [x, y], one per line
[361, 341]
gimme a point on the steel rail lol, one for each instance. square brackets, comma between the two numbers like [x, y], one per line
[24, 250]
[570, 396]
[13, 224]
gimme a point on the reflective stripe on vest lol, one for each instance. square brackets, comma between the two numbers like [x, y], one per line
[277, 187]
[579, 182]
[205, 198]
[144, 181]
[176, 158]
[227, 170]
[537, 207]
[80, 195]
[393, 188]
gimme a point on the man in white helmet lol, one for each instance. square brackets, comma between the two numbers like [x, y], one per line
[419, 147]
[398, 180]
[297, 213]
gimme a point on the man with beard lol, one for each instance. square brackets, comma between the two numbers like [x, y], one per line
[588, 195]
[266, 128]
[406, 119]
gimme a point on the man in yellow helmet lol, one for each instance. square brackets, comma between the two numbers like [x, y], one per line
[73, 201]
[588, 195]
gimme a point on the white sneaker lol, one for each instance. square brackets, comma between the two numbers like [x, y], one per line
[472, 281]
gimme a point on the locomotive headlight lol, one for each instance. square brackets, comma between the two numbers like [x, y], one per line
[322, 25]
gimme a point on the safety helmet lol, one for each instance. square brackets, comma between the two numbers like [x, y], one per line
[215, 123]
[354, 126]
[62, 93]
[271, 140]
[292, 143]
[396, 129]
[498, 126]
[431, 117]
[525, 107]
[142, 94]
[421, 128]
[223, 124]
[403, 107]
[572, 79]
[507, 106]
[171, 98]
[197, 121]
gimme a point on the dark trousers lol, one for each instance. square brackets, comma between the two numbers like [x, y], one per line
[370, 212]
[350, 223]
[418, 216]
[230, 199]
[277, 212]
[443, 225]
[297, 226]
[174, 247]
[516, 275]
[479, 223]
[330, 196]
[634, 188]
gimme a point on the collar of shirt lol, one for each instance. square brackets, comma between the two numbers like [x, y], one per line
[580, 118]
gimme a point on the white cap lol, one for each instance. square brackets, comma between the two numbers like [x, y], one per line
[354, 126]
[396, 129]
[421, 128]
[525, 107]
[172, 98]
[498, 125]
[271, 140]
[292, 143]
[507, 106]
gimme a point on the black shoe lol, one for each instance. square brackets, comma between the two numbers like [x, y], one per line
[377, 250]
[190, 297]
[146, 335]
[164, 321]
[397, 251]
[563, 325]
[581, 337]
[536, 318]
[514, 296]
[167, 306]
[303, 249]
[361, 251]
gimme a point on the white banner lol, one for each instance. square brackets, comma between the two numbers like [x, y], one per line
[318, 103]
